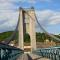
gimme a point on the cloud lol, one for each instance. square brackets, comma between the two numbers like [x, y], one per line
[48, 17]
[8, 20]
[55, 20]
[45, 0]
[44, 14]
[10, 1]
[35, 0]
[9, 16]
[21, 1]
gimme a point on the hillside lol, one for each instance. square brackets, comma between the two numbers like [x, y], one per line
[4, 35]
[40, 37]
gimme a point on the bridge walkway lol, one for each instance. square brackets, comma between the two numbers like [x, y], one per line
[31, 56]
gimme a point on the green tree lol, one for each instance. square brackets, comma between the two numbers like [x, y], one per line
[26, 38]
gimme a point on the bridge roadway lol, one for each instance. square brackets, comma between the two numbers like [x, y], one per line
[31, 57]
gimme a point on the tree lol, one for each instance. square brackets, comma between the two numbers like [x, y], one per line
[26, 38]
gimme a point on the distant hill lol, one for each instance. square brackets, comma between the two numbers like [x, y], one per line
[40, 37]
[4, 35]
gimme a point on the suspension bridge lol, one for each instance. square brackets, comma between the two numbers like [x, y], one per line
[26, 24]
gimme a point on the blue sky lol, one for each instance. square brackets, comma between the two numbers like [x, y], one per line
[47, 12]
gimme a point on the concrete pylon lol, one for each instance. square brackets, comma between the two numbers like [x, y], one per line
[27, 25]
[21, 38]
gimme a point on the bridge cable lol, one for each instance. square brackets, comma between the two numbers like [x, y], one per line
[41, 26]
[12, 37]
[45, 30]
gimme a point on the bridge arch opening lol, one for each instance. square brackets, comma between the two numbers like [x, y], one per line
[27, 38]
[27, 42]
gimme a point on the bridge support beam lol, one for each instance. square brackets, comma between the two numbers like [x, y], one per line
[21, 37]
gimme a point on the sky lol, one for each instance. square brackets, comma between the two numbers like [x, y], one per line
[47, 12]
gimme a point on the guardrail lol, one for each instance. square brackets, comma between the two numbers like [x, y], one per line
[9, 52]
[52, 53]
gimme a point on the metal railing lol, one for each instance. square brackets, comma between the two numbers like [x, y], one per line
[9, 52]
[52, 53]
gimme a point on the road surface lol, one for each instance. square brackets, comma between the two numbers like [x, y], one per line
[31, 57]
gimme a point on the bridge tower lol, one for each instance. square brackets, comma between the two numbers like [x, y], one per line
[27, 25]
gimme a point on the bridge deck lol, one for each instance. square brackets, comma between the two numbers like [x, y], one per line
[31, 57]
[43, 59]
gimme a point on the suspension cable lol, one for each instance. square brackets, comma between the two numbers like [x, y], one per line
[45, 30]
[12, 37]
[40, 26]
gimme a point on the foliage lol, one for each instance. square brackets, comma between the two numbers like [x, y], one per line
[5, 35]
[26, 38]
[40, 37]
